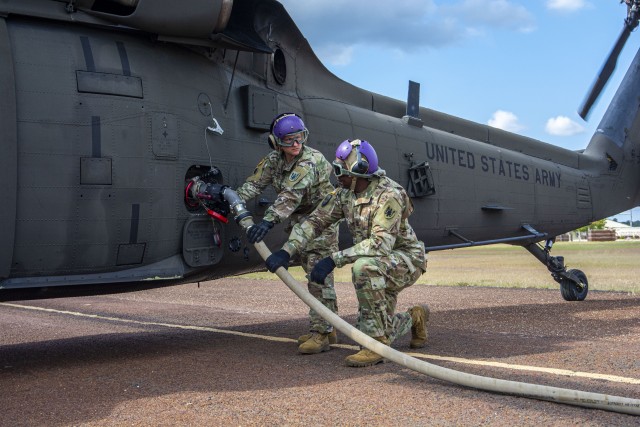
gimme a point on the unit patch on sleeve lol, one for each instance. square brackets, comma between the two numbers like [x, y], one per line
[389, 212]
[297, 174]
[257, 172]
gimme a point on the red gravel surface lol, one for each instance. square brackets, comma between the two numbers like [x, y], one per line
[224, 354]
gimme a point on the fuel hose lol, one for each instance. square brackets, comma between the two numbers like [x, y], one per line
[566, 396]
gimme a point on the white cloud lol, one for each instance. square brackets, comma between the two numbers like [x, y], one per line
[336, 54]
[563, 126]
[494, 14]
[406, 25]
[505, 120]
[566, 5]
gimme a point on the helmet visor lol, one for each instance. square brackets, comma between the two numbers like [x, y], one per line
[339, 170]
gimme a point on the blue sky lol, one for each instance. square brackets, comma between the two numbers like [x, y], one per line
[524, 66]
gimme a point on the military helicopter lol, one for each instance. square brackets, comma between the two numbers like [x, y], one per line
[113, 111]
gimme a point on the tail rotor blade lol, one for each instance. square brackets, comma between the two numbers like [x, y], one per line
[605, 73]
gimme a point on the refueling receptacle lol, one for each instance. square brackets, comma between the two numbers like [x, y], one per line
[204, 235]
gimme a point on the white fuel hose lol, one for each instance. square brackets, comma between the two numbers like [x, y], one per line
[560, 395]
[567, 396]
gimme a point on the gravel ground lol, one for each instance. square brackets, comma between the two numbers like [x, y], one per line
[224, 354]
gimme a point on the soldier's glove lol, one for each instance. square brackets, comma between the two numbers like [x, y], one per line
[257, 232]
[277, 260]
[322, 269]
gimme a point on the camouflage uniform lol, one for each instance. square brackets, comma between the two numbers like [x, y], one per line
[301, 185]
[387, 257]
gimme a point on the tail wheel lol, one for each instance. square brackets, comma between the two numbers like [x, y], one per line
[571, 291]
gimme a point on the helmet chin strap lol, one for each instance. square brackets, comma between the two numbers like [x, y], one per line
[354, 181]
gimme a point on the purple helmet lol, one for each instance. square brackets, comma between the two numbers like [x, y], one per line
[359, 156]
[287, 124]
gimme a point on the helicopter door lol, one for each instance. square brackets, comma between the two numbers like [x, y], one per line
[9, 157]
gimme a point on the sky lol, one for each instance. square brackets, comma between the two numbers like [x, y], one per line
[519, 65]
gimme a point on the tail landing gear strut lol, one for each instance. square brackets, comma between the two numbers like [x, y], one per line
[573, 283]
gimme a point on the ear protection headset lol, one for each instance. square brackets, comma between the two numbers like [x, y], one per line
[273, 142]
[361, 165]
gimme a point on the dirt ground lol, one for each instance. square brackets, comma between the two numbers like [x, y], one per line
[224, 353]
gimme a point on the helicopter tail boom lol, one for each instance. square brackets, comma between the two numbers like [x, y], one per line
[615, 149]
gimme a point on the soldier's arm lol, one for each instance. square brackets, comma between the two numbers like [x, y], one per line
[256, 183]
[326, 214]
[297, 185]
[385, 227]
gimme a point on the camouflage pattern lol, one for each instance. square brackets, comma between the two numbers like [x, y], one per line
[301, 185]
[319, 248]
[387, 256]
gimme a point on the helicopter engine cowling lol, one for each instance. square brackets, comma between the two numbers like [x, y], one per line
[200, 19]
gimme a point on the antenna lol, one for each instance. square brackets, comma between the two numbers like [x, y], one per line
[413, 105]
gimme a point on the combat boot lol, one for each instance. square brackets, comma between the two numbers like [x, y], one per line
[316, 344]
[366, 357]
[419, 318]
[333, 337]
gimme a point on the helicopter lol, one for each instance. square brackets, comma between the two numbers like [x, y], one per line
[113, 111]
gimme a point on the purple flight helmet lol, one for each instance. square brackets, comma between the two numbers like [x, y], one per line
[287, 124]
[359, 156]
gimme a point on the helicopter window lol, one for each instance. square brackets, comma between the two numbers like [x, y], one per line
[279, 66]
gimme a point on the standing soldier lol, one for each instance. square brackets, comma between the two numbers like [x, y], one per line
[300, 176]
[387, 257]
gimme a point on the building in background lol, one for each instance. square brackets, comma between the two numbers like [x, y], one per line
[623, 231]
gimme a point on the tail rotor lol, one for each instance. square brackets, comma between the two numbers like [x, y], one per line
[630, 24]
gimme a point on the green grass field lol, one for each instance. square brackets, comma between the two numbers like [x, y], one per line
[609, 266]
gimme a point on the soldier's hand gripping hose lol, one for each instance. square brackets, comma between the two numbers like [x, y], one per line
[278, 259]
[257, 232]
[322, 269]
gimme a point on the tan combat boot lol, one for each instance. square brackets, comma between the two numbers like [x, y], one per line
[316, 344]
[420, 318]
[366, 357]
[333, 337]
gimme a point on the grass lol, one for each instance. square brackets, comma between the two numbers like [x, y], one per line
[609, 266]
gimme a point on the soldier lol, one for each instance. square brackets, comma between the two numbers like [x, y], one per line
[387, 257]
[300, 176]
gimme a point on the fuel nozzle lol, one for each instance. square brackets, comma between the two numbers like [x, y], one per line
[242, 215]
[218, 201]
[209, 196]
